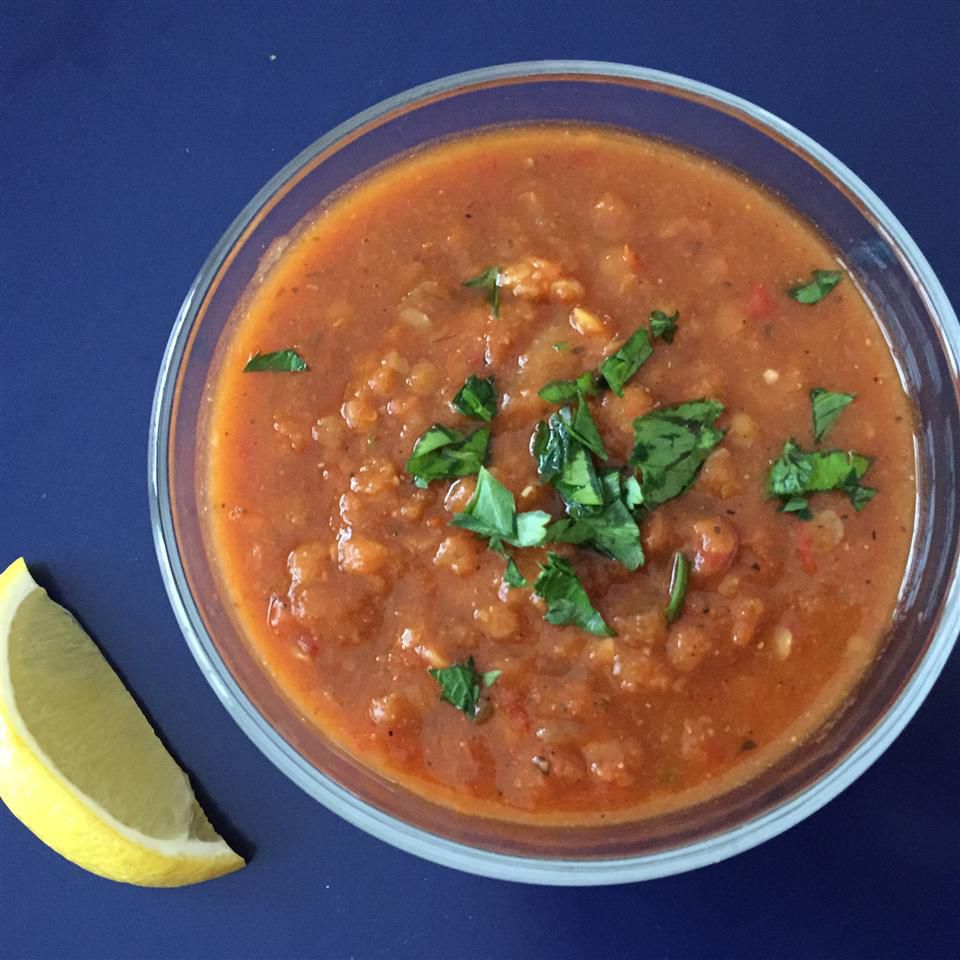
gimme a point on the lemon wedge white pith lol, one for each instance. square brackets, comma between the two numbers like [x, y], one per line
[80, 765]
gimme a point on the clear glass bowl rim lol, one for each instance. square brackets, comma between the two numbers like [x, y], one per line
[561, 872]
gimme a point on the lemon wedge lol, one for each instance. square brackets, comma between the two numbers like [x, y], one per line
[80, 765]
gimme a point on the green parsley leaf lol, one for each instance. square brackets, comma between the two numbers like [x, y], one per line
[281, 361]
[566, 391]
[663, 326]
[561, 446]
[491, 509]
[584, 430]
[611, 484]
[442, 452]
[610, 529]
[859, 494]
[823, 282]
[612, 532]
[827, 406]
[550, 445]
[619, 367]
[799, 506]
[632, 492]
[492, 512]
[796, 474]
[563, 461]
[461, 685]
[671, 445]
[829, 467]
[489, 281]
[567, 601]
[512, 575]
[561, 345]
[477, 398]
[679, 576]
[530, 528]
[790, 474]
[578, 482]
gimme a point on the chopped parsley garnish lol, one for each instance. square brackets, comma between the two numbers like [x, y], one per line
[619, 367]
[561, 345]
[797, 505]
[558, 443]
[679, 576]
[632, 492]
[442, 453]
[461, 685]
[477, 399]
[280, 361]
[512, 575]
[822, 283]
[492, 513]
[610, 529]
[511, 572]
[550, 445]
[663, 327]
[489, 281]
[598, 505]
[859, 495]
[796, 474]
[564, 462]
[578, 482]
[567, 601]
[612, 532]
[670, 447]
[584, 430]
[566, 391]
[827, 406]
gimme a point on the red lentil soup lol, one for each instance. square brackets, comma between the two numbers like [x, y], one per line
[559, 474]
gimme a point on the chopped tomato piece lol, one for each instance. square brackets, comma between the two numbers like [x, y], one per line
[630, 258]
[803, 539]
[717, 546]
[760, 305]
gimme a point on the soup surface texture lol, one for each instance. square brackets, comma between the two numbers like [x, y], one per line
[644, 599]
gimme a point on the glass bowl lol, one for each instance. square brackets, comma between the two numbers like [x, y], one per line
[918, 321]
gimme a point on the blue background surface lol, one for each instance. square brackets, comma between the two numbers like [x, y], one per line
[131, 136]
